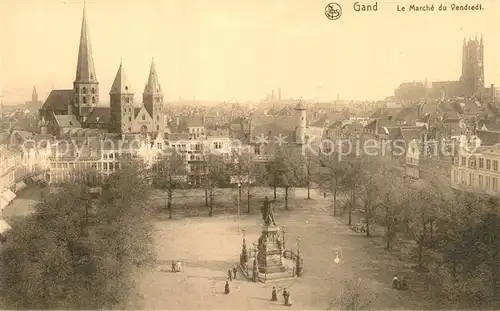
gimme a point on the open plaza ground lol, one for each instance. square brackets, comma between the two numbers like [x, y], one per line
[209, 246]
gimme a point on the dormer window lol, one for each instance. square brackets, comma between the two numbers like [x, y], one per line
[143, 117]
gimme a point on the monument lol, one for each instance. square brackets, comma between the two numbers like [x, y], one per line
[269, 246]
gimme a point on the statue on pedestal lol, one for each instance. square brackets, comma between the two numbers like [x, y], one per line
[267, 213]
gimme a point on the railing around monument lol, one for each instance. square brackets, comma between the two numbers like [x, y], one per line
[288, 254]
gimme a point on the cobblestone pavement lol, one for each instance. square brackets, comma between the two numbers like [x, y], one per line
[208, 247]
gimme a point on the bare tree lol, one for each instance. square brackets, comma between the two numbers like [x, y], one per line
[215, 174]
[246, 172]
[332, 171]
[169, 173]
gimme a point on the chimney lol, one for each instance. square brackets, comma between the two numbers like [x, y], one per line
[279, 94]
[492, 91]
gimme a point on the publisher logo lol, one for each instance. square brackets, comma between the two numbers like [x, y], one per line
[333, 11]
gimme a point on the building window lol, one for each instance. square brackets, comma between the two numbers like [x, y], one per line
[192, 157]
[157, 127]
[111, 156]
[84, 90]
[480, 180]
[494, 185]
[93, 99]
[105, 156]
[257, 150]
[472, 162]
[93, 90]
[111, 166]
[158, 118]
[481, 163]
[488, 164]
[130, 129]
[84, 99]
[455, 161]
[487, 182]
[472, 180]
[217, 145]
[127, 100]
[143, 117]
[463, 163]
[129, 119]
[495, 165]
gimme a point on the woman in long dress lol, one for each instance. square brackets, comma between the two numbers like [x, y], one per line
[226, 288]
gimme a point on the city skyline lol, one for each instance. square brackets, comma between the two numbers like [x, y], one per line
[224, 50]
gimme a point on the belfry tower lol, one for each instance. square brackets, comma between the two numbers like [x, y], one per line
[85, 86]
[472, 77]
[121, 103]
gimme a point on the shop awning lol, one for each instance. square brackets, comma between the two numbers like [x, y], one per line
[8, 196]
[20, 186]
[4, 226]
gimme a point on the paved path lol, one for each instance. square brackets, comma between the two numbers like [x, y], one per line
[22, 203]
[210, 246]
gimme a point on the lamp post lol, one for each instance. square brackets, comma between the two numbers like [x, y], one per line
[239, 199]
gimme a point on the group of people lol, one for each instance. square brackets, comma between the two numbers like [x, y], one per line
[176, 266]
[286, 296]
[399, 284]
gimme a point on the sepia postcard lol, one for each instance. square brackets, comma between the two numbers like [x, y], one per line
[249, 154]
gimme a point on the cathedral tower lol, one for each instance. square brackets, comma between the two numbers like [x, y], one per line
[85, 86]
[153, 99]
[121, 103]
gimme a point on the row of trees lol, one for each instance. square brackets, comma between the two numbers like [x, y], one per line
[78, 251]
[456, 233]
[287, 170]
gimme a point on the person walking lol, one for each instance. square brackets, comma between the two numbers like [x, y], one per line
[235, 271]
[288, 300]
[274, 294]
[173, 266]
[226, 288]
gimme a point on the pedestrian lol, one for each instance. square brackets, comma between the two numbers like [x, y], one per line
[230, 275]
[235, 270]
[226, 288]
[284, 293]
[288, 300]
[179, 267]
[274, 296]
[173, 266]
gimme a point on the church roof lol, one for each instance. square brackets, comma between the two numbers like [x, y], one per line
[67, 121]
[121, 85]
[58, 100]
[85, 71]
[153, 85]
[99, 115]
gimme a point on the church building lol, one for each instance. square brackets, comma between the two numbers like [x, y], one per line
[72, 110]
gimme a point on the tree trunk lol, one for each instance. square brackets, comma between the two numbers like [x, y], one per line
[308, 190]
[286, 198]
[248, 200]
[367, 220]
[351, 205]
[275, 186]
[211, 205]
[335, 201]
[206, 196]
[169, 204]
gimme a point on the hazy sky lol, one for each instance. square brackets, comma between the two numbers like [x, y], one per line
[240, 49]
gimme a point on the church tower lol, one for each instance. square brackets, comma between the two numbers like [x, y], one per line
[300, 130]
[85, 86]
[153, 99]
[472, 67]
[121, 103]
[34, 95]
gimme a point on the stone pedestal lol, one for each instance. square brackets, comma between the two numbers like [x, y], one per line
[269, 256]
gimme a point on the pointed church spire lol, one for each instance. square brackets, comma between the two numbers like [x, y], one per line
[85, 71]
[121, 85]
[34, 93]
[153, 85]
[481, 39]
